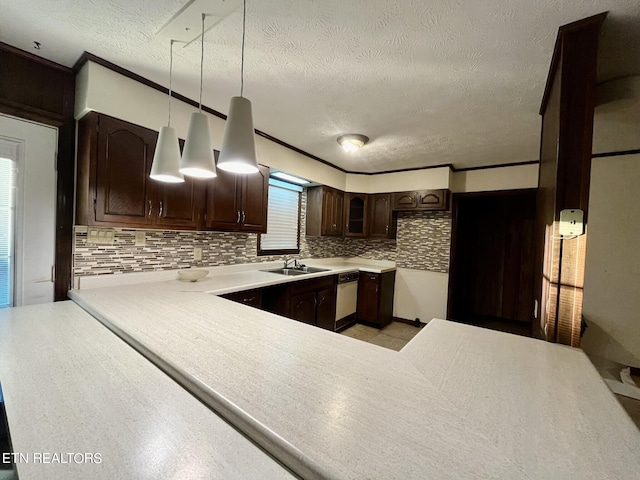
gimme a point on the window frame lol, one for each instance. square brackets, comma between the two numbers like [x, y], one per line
[285, 251]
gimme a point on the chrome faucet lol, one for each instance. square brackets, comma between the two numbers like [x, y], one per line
[295, 263]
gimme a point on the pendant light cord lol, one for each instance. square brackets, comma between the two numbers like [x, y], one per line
[201, 61]
[170, 79]
[244, 29]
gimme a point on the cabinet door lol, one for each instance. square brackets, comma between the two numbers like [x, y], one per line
[179, 205]
[254, 201]
[380, 215]
[355, 212]
[223, 202]
[404, 200]
[338, 213]
[326, 309]
[329, 199]
[432, 199]
[368, 298]
[252, 298]
[124, 191]
[303, 307]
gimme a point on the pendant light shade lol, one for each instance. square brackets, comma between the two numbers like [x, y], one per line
[197, 157]
[166, 158]
[238, 152]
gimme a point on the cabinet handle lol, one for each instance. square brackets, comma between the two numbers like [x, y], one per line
[250, 299]
[160, 211]
[244, 216]
[238, 217]
[150, 209]
[315, 302]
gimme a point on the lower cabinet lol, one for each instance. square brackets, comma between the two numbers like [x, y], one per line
[310, 301]
[375, 298]
[252, 298]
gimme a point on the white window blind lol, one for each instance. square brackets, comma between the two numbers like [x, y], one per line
[282, 217]
[7, 214]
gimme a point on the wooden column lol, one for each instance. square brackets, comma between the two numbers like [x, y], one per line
[565, 167]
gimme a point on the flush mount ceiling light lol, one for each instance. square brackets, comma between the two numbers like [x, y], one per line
[166, 159]
[197, 158]
[352, 141]
[238, 152]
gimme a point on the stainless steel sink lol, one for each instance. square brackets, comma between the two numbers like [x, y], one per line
[287, 271]
[297, 271]
[313, 269]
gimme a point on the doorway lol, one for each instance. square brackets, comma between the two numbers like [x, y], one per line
[493, 260]
[27, 211]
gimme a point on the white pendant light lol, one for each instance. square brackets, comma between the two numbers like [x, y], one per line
[197, 157]
[166, 158]
[238, 152]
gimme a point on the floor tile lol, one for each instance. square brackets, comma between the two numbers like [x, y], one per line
[400, 330]
[386, 341]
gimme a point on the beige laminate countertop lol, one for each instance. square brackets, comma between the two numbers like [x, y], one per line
[329, 406]
[71, 386]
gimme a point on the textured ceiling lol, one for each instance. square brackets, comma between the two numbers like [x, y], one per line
[445, 81]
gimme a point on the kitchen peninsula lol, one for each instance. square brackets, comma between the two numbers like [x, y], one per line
[328, 406]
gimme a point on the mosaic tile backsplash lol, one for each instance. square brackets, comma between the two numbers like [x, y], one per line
[423, 243]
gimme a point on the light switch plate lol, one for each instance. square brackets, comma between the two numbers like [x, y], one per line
[100, 236]
[571, 222]
[197, 253]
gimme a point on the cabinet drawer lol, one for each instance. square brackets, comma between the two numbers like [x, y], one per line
[253, 298]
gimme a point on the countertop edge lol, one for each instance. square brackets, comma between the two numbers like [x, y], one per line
[270, 442]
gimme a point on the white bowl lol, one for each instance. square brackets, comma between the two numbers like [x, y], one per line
[192, 275]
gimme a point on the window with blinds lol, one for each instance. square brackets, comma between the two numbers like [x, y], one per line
[7, 215]
[283, 220]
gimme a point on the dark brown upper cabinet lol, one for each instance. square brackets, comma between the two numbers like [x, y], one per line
[382, 223]
[114, 188]
[238, 203]
[355, 214]
[324, 211]
[421, 200]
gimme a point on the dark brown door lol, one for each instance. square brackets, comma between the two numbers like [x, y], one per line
[380, 216]
[368, 297]
[331, 211]
[303, 307]
[223, 202]
[355, 212]
[326, 310]
[254, 201]
[492, 267]
[124, 193]
[180, 205]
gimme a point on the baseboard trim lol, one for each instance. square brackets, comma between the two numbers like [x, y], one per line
[345, 322]
[416, 323]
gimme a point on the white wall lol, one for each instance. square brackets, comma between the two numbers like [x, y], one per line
[108, 92]
[611, 304]
[430, 178]
[492, 179]
[420, 294]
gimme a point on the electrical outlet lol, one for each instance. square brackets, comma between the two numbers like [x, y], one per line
[197, 253]
[100, 236]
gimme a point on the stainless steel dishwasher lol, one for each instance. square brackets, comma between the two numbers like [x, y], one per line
[346, 299]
